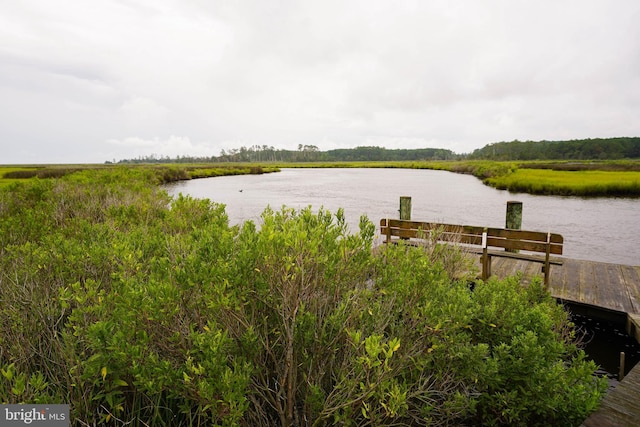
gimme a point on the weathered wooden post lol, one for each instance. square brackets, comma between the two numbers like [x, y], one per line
[621, 372]
[514, 218]
[405, 207]
[514, 215]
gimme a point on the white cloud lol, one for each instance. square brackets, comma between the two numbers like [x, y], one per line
[140, 110]
[457, 75]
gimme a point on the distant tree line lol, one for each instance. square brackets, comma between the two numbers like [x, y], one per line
[254, 153]
[304, 153]
[383, 154]
[583, 149]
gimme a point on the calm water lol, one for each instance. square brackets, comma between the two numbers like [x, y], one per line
[595, 229]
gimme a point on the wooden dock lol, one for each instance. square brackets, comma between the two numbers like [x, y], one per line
[603, 286]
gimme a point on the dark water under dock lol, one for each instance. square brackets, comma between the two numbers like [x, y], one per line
[604, 340]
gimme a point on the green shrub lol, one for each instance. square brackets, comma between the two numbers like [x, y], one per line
[542, 377]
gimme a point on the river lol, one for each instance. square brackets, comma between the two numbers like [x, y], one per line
[597, 229]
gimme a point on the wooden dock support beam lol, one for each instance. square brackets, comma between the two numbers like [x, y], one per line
[514, 219]
[405, 207]
[514, 215]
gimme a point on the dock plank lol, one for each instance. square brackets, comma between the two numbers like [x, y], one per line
[621, 406]
[572, 290]
[631, 278]
[622, 287]
[601, 283]
[615, 296]
[565, 281]
[559, 278]
[589, 292]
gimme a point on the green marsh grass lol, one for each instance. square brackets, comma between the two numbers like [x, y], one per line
[569, 183]
[587, 179]
[164, 173]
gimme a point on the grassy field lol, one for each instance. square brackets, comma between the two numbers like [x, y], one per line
[569, 183]
[586, 179]
[164, 173]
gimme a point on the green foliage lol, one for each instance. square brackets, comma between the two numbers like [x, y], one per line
[138, 309]
[159, 174]
[593, 165]
[17, 387]
[540, 376]
[40, 172]
[582, 149]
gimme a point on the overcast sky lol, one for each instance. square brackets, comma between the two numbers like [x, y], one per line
[92, 81]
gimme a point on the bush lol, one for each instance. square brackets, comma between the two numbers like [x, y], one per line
[141, 310]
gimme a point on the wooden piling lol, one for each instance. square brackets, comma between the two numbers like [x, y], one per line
[514, 215]
[513, 218]
[405, 207]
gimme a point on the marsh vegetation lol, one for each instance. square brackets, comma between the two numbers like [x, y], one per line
[619, 178]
